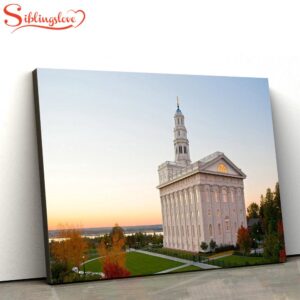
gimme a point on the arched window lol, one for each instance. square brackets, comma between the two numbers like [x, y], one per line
[216, 196]
[210, 230]
[227, 226]
[232, 196]
[219, 228]
[176, 150]
[178, 132]
[224, 193]
[184, 149]
[180, 149]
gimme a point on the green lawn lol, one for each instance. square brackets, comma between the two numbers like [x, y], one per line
[92, 253]
[236, 260]
[138, 264]
[188, 268]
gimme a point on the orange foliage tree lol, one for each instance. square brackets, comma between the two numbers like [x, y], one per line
[71, 249]
[114, 255]
[244, 240]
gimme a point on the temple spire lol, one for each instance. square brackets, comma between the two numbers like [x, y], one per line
[181, 143]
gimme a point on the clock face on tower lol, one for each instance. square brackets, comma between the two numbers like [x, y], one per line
[222, 168]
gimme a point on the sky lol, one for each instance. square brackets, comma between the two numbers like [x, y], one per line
[105, 133]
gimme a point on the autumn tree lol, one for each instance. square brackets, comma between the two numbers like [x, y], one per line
[253, 210]
[114, 254]
[71, 249]
[244, 240]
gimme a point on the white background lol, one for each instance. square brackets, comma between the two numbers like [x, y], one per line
[240, 38]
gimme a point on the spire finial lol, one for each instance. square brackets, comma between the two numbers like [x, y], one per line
[177, 102]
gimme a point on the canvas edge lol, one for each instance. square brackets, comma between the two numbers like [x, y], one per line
[41, 171]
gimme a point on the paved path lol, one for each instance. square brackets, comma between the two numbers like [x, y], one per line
[220, 256]
[184, 261]
[172, 269]
[85, 262]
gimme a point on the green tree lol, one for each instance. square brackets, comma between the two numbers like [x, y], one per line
[253, 210]
[271, 210]
[277, 201]
[256, 232]
[271, 245]
[212, 245]
[204, 246]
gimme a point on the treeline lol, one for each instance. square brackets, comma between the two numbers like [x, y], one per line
[268, 228]
[137, 240]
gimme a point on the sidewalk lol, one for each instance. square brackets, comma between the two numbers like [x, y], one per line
[184, 261]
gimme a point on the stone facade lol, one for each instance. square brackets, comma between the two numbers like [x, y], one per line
[201, 201]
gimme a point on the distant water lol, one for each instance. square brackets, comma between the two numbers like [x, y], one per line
[100, 231]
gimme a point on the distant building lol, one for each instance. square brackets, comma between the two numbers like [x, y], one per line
[200, 201]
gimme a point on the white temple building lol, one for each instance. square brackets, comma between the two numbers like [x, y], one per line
[200, 201]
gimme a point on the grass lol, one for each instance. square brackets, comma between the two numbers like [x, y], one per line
[236, 260]
[93, 266]
[137, 264]
[186, 269]
[92, 253]
[180, 253]
[216, 255]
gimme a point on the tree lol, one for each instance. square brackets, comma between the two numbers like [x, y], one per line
[270, 210]
[256, 232]
[71, 249]
[271, 245]
[244, 240]
[204, 246]
[277, 201]
[212, 245]
[253, 210]
[113, 270]
[115, 255]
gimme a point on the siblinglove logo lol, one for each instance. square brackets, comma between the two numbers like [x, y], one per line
[16, 18]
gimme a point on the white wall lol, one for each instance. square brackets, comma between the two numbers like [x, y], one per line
[241, 38]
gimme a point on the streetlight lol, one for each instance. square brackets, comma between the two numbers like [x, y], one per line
[83, 258]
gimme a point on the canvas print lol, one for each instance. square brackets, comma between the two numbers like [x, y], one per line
[150, 174]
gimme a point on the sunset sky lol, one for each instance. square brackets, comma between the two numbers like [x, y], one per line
[105, 133]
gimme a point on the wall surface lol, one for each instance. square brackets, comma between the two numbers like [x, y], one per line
[252, 38]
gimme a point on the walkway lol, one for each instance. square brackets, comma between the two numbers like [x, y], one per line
[172, 269]
[87, 261]
[221, 255]
[184, 261]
